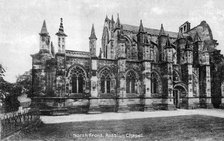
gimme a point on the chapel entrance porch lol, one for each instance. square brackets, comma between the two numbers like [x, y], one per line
[180, 99]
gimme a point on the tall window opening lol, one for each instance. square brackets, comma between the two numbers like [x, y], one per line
[155, 84]
[78, 82]
[105, 81]
[130, 82]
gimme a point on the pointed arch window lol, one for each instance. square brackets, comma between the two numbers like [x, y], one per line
[155, 84]
[78, 82]
[105, 81]
[130, 82]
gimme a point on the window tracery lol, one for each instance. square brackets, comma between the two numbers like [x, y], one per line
[130, 82]
[105, 81]
[156, 84]
[78, 80]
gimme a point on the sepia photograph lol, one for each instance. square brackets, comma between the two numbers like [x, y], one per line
[111, 70]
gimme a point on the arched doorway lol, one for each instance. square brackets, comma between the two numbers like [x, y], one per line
[180, 98]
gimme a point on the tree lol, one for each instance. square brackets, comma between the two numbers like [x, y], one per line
[25, 82]
[8, 94]
[217, 67]
[2, 71]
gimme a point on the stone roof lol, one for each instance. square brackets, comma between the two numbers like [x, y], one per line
[151, 31]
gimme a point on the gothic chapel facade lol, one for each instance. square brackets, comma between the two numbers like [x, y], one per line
[137, 68]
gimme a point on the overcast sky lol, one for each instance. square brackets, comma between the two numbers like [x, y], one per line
[21, 21]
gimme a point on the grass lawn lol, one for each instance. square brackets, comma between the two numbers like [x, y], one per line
[194, 127]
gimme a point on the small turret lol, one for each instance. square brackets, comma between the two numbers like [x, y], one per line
[100, 54]
[168, 51]
[61, 38]
[189, 52]
[106, 19]
[141, 39]
[44, 29]
[118, 24]
[198, 47]
[181, 44]
[44, 39]
[92, 35]
[92, 42]
[162, 31]
[112, 23]
[141, 28]
[140, 35]
[162, 40]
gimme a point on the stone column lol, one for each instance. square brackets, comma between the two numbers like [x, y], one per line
[190, 87]
[147, 83]
[94, 101]
[208, 87]
[192, 101]
[170, 104]
[122, 100]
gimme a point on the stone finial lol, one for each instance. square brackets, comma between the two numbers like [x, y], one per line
[44, 29]
[61, 29]
[141, 28]
[92, 35]
[162, 31]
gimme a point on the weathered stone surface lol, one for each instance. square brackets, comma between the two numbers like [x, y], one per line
[134, 71]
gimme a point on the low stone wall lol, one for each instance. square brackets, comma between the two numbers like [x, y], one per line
[63, 105]
[13, 122]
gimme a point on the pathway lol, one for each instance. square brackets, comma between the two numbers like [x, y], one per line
[130, 115]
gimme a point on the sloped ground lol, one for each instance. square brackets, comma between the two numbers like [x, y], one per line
[189, 127]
